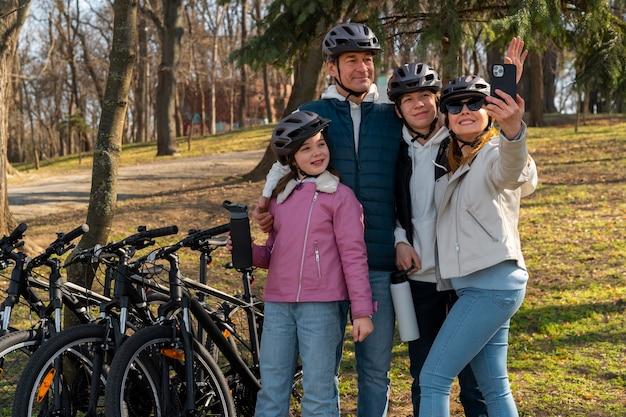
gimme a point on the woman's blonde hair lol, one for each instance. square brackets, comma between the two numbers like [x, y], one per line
[455, 156]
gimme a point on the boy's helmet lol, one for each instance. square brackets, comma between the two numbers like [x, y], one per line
[349, 37]
[410, 78]
[463, 87]
[294, 129]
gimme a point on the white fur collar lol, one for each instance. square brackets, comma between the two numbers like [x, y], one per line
[325, 183]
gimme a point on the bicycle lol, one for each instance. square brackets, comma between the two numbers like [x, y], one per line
[16, 346]
[66, 375]
[159, 353]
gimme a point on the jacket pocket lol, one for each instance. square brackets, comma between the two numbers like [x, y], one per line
[317, 259]
[484, 229]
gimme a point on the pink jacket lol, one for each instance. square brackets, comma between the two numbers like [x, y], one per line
[316, 250]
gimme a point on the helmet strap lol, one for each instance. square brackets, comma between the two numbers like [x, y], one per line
[349, 91]
[299, 172]
[418, 135]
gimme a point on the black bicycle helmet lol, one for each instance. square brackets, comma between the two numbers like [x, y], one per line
[463, 87]
[410, 78]
[349, 37]
[294, 129]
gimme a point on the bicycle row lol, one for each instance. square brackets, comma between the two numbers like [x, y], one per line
[161, 344]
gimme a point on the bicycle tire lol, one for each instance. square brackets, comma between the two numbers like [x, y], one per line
[16, 349]
[146, 381]
[73, 349]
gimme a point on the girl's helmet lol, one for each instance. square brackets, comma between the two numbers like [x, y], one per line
[463, 87]
[410, 78]
[349, 37]
[294, 129]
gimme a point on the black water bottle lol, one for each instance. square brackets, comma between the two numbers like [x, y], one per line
[240, 235]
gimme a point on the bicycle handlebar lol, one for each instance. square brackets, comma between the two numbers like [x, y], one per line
[59, 246]
[13, 238]
[141, 239]
[195, 236]
[194, 240]
[79, 231]
[138, 240]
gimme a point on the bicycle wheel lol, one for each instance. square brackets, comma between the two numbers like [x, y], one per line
[148, 378]
[57, 381]
[15, 350]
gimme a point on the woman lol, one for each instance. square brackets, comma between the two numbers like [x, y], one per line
[478, 243]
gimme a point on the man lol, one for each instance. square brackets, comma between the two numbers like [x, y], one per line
[364, 140]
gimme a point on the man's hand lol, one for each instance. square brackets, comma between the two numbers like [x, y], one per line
[262, 216]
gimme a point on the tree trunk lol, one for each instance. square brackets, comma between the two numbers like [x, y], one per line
[172, 32]
[534, 103]
[305, 88]
[549, 76]
[14, 14]
[141, 89]
[108, 148]
[243, 90]
[268, 98]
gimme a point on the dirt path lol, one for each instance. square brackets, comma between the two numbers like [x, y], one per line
[33, 195]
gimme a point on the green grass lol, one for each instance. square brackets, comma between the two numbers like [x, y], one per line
[567, 353]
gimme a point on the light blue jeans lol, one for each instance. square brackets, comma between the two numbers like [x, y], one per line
[373, 355]
[315, 332]
[476, 332]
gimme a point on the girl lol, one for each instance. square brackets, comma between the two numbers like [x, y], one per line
[317, 261]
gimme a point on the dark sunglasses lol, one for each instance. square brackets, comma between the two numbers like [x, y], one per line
[472, 105]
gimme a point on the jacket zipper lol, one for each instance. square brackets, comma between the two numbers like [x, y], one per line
[317, 259]
[492, 237]
[306, 237]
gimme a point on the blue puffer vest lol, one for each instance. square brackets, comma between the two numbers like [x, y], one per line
[371, 172]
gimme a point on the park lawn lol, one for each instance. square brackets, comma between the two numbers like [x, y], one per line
[567, 353]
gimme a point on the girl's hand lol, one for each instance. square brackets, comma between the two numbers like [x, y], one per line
[229, 244]
[361, 328]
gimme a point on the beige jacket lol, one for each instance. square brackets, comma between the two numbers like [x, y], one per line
[478, 208]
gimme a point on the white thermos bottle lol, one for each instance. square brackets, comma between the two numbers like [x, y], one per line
[403, 306]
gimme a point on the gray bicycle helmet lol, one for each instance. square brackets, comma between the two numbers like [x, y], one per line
[410, 78]
[294, 129]
[349, 37]
[463, 87]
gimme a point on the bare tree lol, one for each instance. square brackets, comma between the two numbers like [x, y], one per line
[141, 85]
[12, 16]
[213, 17]
[103, 196]
[170, 34]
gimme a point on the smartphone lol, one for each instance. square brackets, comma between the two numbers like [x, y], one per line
[503, 77]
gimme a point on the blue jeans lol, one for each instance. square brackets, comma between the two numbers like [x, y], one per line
[431, 309]
[373, 355]
[476, 331]
[315, 332]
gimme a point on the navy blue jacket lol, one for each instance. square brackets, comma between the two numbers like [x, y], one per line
[370, 173]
